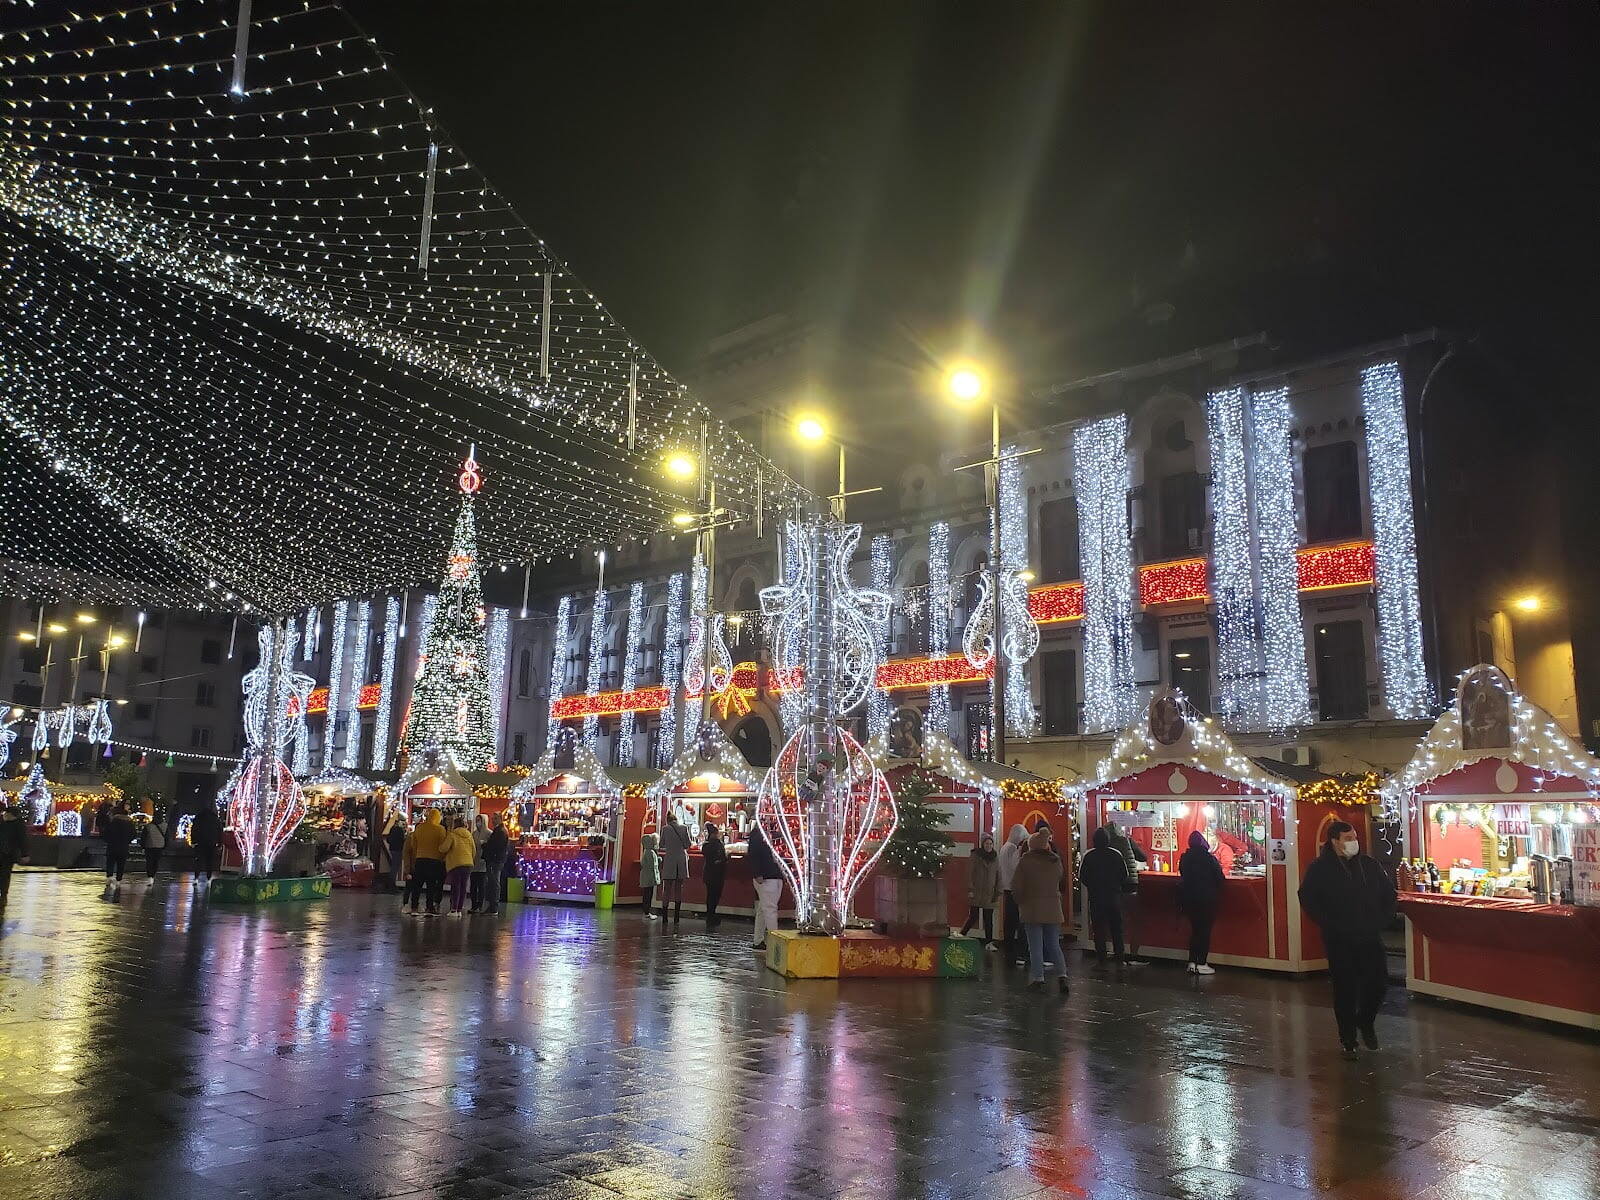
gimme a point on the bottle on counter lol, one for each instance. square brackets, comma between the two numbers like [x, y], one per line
[1402, 877]
[1433, 877]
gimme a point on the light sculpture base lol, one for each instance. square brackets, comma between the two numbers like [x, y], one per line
[859, 954]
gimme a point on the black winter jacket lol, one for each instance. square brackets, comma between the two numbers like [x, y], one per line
[1351, 899]
[1200, 882]
[1103, 872]
[763, 862]
[496, 848]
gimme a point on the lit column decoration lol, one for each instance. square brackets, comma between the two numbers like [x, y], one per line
[938, 716]
[559, 637]
[671, 670]
[499, 639]
[793, 706]
[1019, 640]
[882, 578]
[358, 679]
[597, 646]
[391, 651]
[265, 804]
[1100, 480]
[630, 671]
[1286, 683]
[299, 729]
[1405, 676]
[1232, 563]
[330, 722]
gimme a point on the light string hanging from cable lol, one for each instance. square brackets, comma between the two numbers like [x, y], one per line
[1100, 481]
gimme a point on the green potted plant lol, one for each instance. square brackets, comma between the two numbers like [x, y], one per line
[909, 886]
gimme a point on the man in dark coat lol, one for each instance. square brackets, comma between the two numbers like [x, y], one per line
[1104, 874]
[495, 851]
[1351, 898]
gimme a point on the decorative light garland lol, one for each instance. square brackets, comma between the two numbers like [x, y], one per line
[671, 670]
[1100, 481]
[358, 678]
[330, 725]
[937, 719]
[630, 671]
[498, 639]
[1233, 580]
[597, 645]
[1406, 693]
[560, 635]
[1020, 640]
[1286, 682]
[385, 698]
[882, 579]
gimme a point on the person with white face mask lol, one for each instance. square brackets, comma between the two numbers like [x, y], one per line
[1352, 899]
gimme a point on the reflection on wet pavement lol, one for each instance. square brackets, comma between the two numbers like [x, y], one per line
[153, 1048]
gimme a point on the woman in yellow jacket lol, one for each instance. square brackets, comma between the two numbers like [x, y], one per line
[459, 851]
[423, 860]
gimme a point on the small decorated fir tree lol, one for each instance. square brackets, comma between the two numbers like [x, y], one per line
[917, 848]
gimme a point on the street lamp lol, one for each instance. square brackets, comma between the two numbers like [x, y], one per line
[967, 384]
[812, 430]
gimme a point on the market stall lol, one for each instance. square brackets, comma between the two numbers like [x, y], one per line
[1174, 772]
[1501, 881]
[344, 810]
[710, 782]
[576, 825]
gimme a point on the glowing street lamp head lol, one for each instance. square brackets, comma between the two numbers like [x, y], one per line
[1529, 603]
[683, 520]
[680, 466]
[810, 428]
[966, 383]
[56, 627]
[86, 618]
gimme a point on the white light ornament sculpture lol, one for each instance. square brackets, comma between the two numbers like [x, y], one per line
[8, 734]
[824, 807]
[694, 662]
[1020, 640]
[266, 803]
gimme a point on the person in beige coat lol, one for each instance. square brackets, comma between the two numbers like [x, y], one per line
[1037, 885]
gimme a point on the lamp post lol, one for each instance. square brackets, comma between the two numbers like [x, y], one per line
[968, 384]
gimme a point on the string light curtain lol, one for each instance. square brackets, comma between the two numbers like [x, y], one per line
[225, 348]
[1100, 481]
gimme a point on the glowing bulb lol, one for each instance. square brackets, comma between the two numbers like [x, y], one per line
[56, 627]
[1210, 811]
[683, 520]
[1529, 603]
[965, 383]
[810, 429]
[680, 466]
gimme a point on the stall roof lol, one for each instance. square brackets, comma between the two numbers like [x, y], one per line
[586, 766]
[1498, 723]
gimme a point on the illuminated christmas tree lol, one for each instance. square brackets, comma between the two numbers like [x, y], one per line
[450, 705]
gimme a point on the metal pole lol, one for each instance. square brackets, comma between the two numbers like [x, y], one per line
[997, 706]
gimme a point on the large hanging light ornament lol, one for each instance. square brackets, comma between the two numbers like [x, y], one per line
[597, 656]
[1286, 682]
[694, 664]
[8, 734]
[860, 810]
[98, 730]
[265, 802]
[1020, 641]
[391, 650]
[1100, 481]
[1233, 563]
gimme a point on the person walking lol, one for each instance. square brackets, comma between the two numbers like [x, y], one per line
[1006, 861]
[1104, 875]
[480, 835]
[674, 866]
[155, 841]
[768, 876]
[13, 845]
[649, 872]
[495, 851]
[205, 835]
[120, 832]
[983, 889]
[1037, 884]
[1352, 900]
[1132, 857]
[714, 855]
[1199, 894]
[394, 841]
[426, 870]
[459, 851]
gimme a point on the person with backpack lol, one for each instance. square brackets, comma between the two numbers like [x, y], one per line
[1104, 876]
[205, 835]
[674, 865]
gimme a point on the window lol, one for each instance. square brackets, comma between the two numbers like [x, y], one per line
[205, 694]
[211, 651]
[27, 693]
[1341, 651]
[1058, 541]
[200, 738]
[519, 742]
[1333, 492]
[1058, 670]
[525, 675]
[31, 660]
[977, 731]
[1183, 515]
[143, 712]
[149, 664]
[1189, 669]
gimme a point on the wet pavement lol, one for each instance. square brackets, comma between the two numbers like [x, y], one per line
[153, 1048]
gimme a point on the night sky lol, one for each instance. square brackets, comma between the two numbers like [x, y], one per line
[1088, 185]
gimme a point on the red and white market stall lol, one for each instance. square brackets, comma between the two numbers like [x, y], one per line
[575, 825]
[711, 781]
[1174, 772]
[1501, 885]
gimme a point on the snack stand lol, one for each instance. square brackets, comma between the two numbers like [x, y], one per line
[574, 825]
[709, 781]
[1501, 886]
[1174, 772]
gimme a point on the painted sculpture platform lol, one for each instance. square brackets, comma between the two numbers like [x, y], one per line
[865, 955]
[251, 889]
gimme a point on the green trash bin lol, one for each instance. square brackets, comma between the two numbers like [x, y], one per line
[605, 895]
[514, 890]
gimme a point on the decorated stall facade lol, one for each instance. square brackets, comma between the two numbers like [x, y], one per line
[1174, 772]
[711, 781]
[1501, 886]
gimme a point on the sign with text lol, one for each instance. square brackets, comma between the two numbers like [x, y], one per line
[1134, 820]
[1586, 864]
[1512, 820]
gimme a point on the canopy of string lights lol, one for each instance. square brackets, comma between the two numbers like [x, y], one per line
[254, 306]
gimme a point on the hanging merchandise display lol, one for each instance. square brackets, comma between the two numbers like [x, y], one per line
[1100, 480]
[450, 705]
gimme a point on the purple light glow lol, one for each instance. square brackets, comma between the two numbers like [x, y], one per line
[558, 870]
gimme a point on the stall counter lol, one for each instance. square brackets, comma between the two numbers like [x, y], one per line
[1239, 937]
[560, 870]
[1540, 960]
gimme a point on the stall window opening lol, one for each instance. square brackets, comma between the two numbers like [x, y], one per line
[1235, 831]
